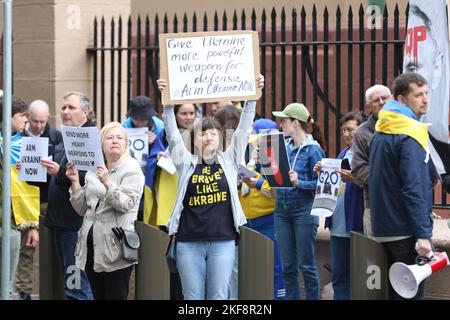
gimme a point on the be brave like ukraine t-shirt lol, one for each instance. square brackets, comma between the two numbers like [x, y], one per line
[207, 213]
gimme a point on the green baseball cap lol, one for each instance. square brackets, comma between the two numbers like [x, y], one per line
[294, 110]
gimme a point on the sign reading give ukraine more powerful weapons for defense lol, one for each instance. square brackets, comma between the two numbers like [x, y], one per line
[209, 66]
[82, 145]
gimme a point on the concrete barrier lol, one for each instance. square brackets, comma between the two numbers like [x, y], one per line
[256, 263]
[51, 285]
[368, 269]
[152, 281]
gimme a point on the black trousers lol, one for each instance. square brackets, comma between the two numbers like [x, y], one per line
[107, 285]
[402, 251]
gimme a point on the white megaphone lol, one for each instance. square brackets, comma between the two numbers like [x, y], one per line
[405, 279]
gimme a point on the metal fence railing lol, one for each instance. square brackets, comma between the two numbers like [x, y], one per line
[327, 61]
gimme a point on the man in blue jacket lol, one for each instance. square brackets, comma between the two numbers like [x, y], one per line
[399, 177]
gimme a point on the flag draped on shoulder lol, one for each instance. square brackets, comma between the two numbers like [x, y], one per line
[159, 190]
[396, 118]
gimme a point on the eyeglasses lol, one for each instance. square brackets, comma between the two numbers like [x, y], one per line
[381, 99]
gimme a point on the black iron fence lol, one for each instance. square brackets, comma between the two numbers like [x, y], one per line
[326, 60]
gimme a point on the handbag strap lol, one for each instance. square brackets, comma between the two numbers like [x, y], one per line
[115, 216]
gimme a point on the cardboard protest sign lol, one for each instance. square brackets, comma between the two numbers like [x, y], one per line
[32, 150]
[138, 143]
[82, 145]
[274, 160]
[209, 66]
[327, 188]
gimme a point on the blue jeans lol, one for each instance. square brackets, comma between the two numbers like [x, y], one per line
[296, 235]
[340, 265]
[74, 289]
[207, 263]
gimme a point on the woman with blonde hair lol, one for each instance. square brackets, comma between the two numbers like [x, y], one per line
[109, 199]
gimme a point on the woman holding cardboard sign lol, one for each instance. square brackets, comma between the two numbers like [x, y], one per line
[109, 199]
[207, 212]
[348, 214]
[295, 227]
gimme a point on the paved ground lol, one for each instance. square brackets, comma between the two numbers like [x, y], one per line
[438, 286]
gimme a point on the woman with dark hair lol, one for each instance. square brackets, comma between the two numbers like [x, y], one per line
[348, 214]
[295, 227]
[184, 115]
[207, 212]
[228, 116]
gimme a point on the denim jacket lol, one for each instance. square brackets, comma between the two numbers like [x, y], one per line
[303, 158]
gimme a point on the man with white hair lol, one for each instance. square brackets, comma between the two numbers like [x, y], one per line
[61, 218]
[37, 126]
[376, 97]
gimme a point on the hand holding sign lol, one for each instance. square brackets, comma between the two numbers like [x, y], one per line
[72, 173]
[260, 81]
[151, 137]
[162, 84]
[250, 182]
[293, 177]
[52, 166]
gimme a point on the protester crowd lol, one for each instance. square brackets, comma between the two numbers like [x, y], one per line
[385, 195]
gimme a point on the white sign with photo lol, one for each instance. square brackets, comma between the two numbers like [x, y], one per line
[138, 143]
[327, 188]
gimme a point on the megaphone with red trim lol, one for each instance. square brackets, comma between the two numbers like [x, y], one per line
[405, 279]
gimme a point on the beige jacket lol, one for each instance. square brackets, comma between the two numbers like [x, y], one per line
[105, 209]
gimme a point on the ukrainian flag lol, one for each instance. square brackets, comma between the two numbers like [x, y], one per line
[24, 197]
[159, 195]
[397, 118]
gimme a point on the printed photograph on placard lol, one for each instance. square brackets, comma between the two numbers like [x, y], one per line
[274, 160]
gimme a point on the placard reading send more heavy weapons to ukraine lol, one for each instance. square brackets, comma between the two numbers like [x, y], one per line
[209, 66]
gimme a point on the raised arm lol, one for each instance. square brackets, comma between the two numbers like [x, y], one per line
[177, 148]
[236, 150]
